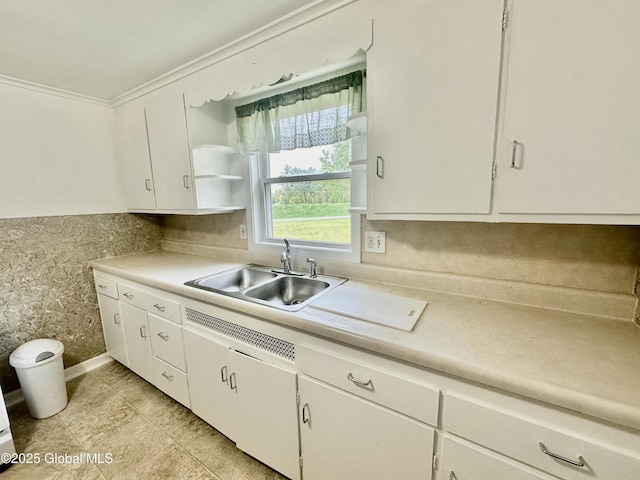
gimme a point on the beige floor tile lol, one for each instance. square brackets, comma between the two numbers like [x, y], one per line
[53, 471]
[113, 411]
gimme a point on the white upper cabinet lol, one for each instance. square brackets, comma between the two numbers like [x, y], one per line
[132, 150]
[432, 75]
[572, 109]
[169, 148]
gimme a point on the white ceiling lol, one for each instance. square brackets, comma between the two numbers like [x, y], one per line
[103, 48]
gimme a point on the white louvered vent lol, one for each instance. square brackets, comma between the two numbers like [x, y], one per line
[273, 345]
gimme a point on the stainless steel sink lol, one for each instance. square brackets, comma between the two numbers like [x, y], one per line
[267, 286]
[235, 281]
[287, 290]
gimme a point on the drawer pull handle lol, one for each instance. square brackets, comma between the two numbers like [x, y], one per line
[103, 287]
[128, 295]
[579, 463]
[232, 381]
[185, 181]
[223, 374]
[452, 475]
[116, 318]
[162, 308]
[164, 337]
[167, 376]
[305, 413]
[142, 331]
[147, 184]
[360, 383]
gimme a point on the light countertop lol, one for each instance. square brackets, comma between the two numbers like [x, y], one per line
[580, 362]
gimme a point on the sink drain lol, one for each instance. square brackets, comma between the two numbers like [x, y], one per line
[297, 301]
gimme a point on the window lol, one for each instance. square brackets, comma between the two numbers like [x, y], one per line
[301, 180]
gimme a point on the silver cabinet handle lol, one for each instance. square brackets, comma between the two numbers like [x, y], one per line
[232, 381]
[164, 337]
[167, 376]
[360, 383]
[452, 475]
[128, 295]
[514, 150]
[306, 418]
[161, 308]
[185, 181]
[223, 374]
[380, 166]
[147, 184]
[579, 463]
[116, 318]
[143, 333]
[103, 287]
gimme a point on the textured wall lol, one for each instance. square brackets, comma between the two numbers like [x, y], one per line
[603, 258]
[593, 257]
[46, 287]
[215, 230]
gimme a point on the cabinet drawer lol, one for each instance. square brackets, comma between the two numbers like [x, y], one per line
[462, 461]
[164, 308]
[133, 296]
[106, 287]
[171, 381]
[166, 341]
[522, 437]
[402, 395]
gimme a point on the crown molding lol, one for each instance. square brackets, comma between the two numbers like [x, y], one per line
[284, 24]
[57, 92]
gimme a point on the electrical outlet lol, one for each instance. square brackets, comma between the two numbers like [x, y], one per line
[243, 232]
[374, 242]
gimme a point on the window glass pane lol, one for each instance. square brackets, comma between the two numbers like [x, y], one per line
[303, 161]
[315, 211]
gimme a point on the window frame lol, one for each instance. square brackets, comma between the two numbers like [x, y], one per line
[259, 217]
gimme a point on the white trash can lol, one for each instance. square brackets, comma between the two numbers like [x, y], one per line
[38, 364]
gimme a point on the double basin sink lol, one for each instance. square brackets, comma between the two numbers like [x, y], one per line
[267, 286]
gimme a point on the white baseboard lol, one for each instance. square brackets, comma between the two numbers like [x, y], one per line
[15, 397]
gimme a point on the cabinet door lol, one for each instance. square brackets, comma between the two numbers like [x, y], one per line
[344, 437]
[573, 107]
[266, 420]
[208, 374]
[433, 76]
[132, 150]
[462, 461]
[170, 157]
[113, 329]
[136, 334]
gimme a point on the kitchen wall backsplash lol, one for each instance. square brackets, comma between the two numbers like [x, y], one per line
[47, 289]
[601, 258]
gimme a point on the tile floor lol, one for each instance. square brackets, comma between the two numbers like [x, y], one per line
[149, 436]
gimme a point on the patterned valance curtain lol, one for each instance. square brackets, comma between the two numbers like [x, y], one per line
[306, 117]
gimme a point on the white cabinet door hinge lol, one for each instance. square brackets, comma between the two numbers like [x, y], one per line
[298, 398]
[505, 19]
[494, 169]
[434, 464]
[300, 461]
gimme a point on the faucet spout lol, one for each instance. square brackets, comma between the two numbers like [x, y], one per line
[285, 257]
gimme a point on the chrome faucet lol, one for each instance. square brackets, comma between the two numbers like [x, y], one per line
[312, 268]
[285, 258]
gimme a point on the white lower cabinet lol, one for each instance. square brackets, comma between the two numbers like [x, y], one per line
[344, 437]
[547, 439]
[250, 401]
[136, 333]
[313, 409]
[113, 328]
[464, 461]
